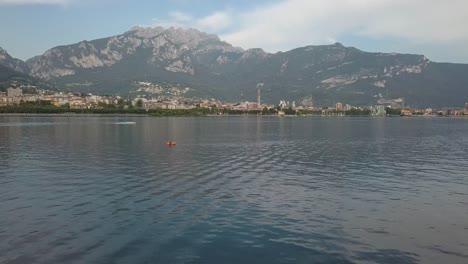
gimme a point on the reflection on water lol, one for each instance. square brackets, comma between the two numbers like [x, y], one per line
[256, 190]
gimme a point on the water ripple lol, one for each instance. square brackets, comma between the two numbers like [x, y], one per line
[319, 190]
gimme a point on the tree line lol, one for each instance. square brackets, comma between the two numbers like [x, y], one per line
[123, 107]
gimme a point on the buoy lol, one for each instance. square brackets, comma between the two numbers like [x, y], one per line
[171, 143]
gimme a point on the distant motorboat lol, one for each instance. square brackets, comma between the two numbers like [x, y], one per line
[124, 123]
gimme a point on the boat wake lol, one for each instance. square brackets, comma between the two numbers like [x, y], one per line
[124, 123]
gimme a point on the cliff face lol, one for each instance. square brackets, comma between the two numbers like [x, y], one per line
[12, 63]
[171, 49]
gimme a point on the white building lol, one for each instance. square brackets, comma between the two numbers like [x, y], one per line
[339, 106]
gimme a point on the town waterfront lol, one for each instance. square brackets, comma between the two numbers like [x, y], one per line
[241, 189]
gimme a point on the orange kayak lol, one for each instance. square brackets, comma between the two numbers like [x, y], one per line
[171, 143]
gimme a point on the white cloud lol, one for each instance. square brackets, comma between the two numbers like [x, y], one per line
[301, 22]
[180, 17]
[215, 22]
[34, 2]
[288, 24]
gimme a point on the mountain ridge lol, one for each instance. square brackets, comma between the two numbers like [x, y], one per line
[210, 67]
[13, 63]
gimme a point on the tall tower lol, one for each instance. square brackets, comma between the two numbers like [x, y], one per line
[259, 103]
[258, 97]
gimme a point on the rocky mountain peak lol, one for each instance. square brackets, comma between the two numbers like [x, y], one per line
[173, 49]
[178, 40]
[176, 34]
[190, 33]
[254, 53]
[146, 32]
[12, 63]
[4, 55]
[338, 44]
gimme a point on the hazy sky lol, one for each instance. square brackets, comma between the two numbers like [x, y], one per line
[436, 28]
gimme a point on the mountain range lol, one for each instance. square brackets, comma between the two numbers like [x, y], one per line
[212, 68]
[16, 71]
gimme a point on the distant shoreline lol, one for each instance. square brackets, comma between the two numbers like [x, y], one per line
[209, 115]
[71, 115]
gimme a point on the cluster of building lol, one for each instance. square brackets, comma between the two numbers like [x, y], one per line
[149, 104]
[157, 103]
[380, 109]
[343, 107]
[15, 96]
[439, 112]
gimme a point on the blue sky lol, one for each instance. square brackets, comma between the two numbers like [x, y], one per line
[430, 27]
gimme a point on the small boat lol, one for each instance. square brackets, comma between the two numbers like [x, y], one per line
[171, 143]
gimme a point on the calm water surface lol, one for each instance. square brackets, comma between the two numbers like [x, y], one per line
[233, 190]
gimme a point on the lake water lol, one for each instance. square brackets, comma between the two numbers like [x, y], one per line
[233, 190]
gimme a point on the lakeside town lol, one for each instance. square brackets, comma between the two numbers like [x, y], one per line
[31, 96]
